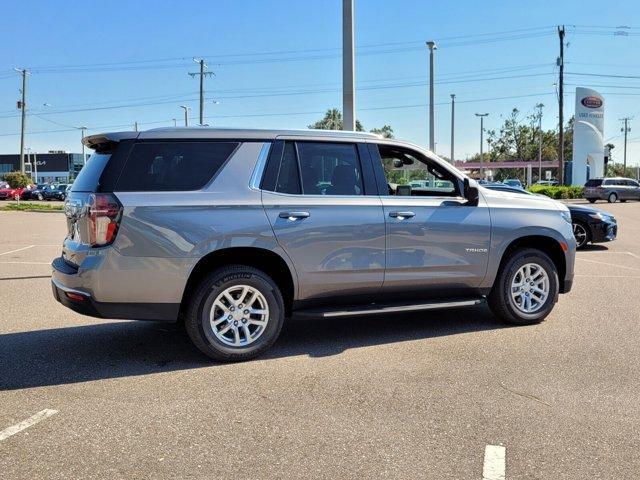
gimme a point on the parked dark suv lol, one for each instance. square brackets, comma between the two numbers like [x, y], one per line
[611, 189]
[234, 230]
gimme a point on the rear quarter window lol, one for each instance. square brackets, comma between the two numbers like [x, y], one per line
[173, 166]
[89, 176]
[593, 183]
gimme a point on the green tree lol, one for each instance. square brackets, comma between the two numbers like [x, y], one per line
[517, 139]
[385, 131]
[17, 179]
[333, 121]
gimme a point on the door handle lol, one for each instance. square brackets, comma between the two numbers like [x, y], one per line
[294, 215]
[402, 215]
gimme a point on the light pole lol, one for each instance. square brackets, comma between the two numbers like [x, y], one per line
[82, 129]
[432, 46]
[539, 107]
[453, 116]
[348, 67]
[481, 115]
[186, 114]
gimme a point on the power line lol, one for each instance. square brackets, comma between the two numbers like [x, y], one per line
[607, 75]
[143, 64]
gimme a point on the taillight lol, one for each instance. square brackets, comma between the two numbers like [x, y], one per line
[104, 217]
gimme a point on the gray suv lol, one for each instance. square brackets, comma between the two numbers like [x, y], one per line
[232, 231]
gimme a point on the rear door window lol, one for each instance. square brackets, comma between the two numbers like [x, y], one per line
[320, 168]
[594, 182]
[330, 168]
[173, 166]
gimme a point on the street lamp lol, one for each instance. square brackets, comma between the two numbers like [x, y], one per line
[481, 115]
[432, 46]
[82, 129]
[186, 114]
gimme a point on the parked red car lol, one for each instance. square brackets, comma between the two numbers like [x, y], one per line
[11, 193]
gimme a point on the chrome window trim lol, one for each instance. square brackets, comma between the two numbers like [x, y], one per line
[258, 170]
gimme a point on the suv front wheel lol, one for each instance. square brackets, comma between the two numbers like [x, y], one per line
[526, 288]
[235, 314]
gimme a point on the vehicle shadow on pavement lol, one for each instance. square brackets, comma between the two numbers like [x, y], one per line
[122, 349]
[594, 248]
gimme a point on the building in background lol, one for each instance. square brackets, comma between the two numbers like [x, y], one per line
[54, 166]
[588, 137]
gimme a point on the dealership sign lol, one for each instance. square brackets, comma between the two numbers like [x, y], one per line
[588, 136]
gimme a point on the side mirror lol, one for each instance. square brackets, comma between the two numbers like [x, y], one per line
[397, 163]
[471, 194]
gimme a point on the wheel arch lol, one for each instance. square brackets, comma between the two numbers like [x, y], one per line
[270, 262]
[545, 244]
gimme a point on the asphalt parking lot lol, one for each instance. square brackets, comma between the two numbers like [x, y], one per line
[410, 396]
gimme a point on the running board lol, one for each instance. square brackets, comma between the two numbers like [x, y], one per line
[378, 308]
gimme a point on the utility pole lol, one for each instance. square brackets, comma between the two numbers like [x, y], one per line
[432, 46]
[135, 126]
[22, 105]
[348, 67]
[625, 129]
[453, 116]
[186, 114]
[202, 74]
[539, 107]
[481, 115]
[561, 108]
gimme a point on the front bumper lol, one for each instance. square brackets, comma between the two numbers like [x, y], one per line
[80, 300]
[603, 231]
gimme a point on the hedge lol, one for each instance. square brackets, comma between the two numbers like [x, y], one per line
[558, 192]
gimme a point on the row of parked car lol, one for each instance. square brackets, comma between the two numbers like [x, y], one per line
[43, 191]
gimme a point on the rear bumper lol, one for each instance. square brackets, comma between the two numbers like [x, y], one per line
[82, 301]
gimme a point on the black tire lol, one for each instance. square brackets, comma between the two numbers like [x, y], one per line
[591, 200]
[587, 232]
[612, 197]
[500, 301]
[40, 197]
[197, 316]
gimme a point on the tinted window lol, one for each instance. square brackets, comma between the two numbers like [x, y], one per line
[288, 175]
[632, 183]
[173, 166]
[329, 168]
[594, 182]
[87, 180]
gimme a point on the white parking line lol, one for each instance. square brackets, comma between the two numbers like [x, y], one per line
[25, 263]
[29, 422]
[602, 276]
[494, 463]
[17, 250]
[610, 264]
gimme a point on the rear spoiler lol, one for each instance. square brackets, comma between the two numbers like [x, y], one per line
[104, 142]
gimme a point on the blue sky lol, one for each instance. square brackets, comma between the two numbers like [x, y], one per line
[277, 64]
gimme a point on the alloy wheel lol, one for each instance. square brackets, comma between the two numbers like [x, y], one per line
[530, 288]
[580, 234]
[239, 315]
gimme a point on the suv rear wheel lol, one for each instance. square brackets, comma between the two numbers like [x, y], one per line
[612, 198]
[235, 314]
[526, 288]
